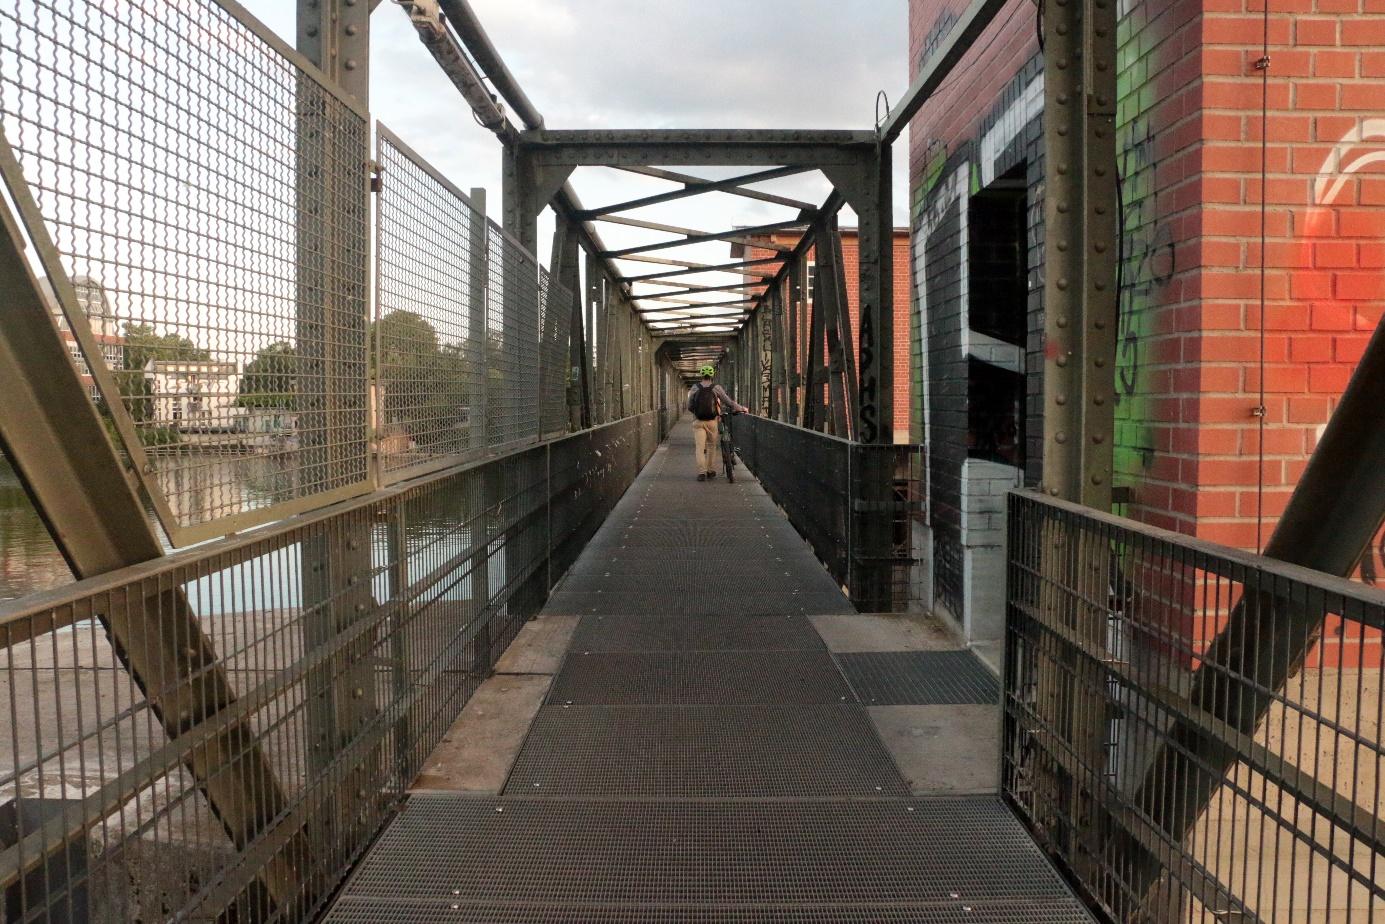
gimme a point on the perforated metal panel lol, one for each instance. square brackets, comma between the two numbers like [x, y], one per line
[924, 678]
[704, 752]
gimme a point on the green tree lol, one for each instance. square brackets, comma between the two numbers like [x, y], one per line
[142, 344]
[270, 378]
[410, 362]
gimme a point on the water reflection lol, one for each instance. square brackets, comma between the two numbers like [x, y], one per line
[439, 534]
[29, 561]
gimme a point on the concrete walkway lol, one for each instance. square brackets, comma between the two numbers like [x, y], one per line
[699, 728]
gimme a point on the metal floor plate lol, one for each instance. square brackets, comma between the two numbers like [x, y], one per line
[704, 752]
[353, 910]
[919, 678]
[762, 580]
[695, 633]
[710, 854]
[713, 678]
[653, 601]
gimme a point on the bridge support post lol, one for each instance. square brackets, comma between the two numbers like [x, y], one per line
[867, 188]
[1080, 316]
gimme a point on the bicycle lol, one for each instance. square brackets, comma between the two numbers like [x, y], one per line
[728, 448]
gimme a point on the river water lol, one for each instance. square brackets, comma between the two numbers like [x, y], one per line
[29, 560]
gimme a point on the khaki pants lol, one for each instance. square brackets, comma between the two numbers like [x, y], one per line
[705, 441]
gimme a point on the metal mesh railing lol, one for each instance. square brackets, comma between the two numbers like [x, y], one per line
[431, 318]
[200, 203]
[824, 485]
[216, 735]
[1193, 731]
[512, 358]
[556, 303]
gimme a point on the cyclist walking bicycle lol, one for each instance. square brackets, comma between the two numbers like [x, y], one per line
[708, 401]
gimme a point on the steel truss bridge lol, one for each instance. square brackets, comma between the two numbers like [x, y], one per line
[384, 443]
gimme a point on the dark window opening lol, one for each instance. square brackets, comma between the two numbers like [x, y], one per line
[997, 307]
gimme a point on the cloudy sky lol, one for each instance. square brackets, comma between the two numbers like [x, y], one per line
[650, 64]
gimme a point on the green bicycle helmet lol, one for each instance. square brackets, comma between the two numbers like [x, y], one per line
[708, 371]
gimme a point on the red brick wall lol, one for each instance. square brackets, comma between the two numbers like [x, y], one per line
[1324, 257]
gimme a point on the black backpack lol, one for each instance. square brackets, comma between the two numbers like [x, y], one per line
[704, 403]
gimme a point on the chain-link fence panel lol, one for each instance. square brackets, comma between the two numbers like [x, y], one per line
[198, 202]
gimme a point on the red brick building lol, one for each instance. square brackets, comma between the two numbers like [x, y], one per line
[1195, 452]
[851, 262]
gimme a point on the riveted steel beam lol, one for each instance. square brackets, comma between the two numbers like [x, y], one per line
[713, 147]
[1080, 298]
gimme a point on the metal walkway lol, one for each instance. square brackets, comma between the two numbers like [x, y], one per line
[701, 756]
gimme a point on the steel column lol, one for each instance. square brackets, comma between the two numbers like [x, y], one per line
[1080, 314]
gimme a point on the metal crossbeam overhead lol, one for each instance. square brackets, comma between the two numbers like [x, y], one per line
[669, 261]
[678, 229]
[720, 147]
[698, 189]
[698, 287]
[737, 191]
[691, 304]
[741, 267]
[693, 317]
[746, 287]
[734, 235]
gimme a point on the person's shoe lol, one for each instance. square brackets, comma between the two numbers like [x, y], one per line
[701, 476]
[711, 476]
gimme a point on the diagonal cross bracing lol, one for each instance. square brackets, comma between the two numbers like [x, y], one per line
[695, 187]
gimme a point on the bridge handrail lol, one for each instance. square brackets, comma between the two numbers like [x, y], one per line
[1147, 741]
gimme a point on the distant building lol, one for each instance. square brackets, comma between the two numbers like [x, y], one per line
[851, 251]
[105, 326]
[193, 394]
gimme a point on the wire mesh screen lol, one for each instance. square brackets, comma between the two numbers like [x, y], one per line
[557, 304]
[1193, 731]
[200, 209]
[512, 365]
[218, 735]
[431, 320]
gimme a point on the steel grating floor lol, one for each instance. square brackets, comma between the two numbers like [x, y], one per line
[919, 678]
[630, 852]
[719, 678]
[695, 633]
[705, 752]
[702, 757]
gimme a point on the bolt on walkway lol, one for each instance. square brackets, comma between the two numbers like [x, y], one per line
[703, 754]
